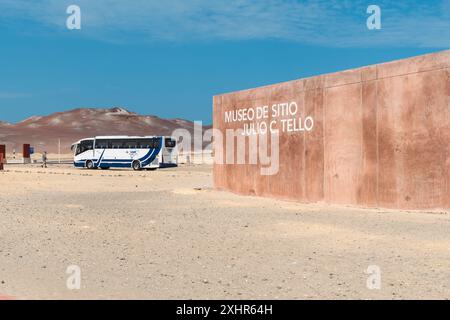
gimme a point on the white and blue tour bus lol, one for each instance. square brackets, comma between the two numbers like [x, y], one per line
[137, 153]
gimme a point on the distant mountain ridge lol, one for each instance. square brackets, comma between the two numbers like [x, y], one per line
[44, 132]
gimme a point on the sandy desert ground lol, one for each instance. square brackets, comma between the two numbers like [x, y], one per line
[168, 235]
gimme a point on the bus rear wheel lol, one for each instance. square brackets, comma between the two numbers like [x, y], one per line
[136, 165]
[89, 164]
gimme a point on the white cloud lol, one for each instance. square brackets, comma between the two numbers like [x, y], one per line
[330, 23]
[13, 95]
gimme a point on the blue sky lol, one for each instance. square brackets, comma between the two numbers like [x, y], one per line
[168, 58]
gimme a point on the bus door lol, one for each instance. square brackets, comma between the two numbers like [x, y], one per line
[100, 146]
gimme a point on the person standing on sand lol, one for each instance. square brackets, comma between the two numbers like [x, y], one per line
[44, 159]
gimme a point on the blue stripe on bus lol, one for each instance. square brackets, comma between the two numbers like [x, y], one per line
[152, 157]
[97, 163]
[115, 165]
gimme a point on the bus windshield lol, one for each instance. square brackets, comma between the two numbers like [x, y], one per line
[74, 147]
[84, 146]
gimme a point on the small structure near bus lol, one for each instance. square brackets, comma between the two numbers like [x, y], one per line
[26, 153]
[2, 154]
[377, 136]
[134, 152]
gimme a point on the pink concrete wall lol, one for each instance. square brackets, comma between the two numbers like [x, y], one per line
[381, 137]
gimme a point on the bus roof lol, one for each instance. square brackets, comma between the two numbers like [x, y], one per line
[120, 137]
[125, 137]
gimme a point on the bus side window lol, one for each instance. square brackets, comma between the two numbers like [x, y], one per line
[156, 142]
[88, 145]
[130, 144]
[101, 144]
[116, 144]
[144, 144]
[170, 143]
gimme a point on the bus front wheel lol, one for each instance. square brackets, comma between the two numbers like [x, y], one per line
[136, 165]
[89, 164]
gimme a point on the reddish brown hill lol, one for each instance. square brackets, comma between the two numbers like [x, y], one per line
[43, 132]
